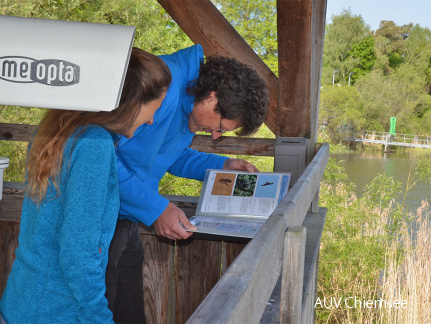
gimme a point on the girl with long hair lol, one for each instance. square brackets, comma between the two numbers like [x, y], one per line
[72, 201]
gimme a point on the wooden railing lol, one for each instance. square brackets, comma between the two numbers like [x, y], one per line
[242, 294]
[209, 281]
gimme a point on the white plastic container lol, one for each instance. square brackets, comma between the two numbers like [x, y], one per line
[4, 163]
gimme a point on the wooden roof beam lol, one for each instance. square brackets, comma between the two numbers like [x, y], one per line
[205, 25]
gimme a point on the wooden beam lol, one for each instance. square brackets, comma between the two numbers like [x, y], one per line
[205, 25]
[234, 145]
[203, 143]
[318, 35]
[294, 61]
[16, 132]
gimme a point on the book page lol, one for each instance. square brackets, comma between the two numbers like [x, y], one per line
[242, 193]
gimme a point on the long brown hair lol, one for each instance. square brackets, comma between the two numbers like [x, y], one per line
[147, 78]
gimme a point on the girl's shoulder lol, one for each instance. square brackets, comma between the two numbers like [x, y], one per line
[92, 138]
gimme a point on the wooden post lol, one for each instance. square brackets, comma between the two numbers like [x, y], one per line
[292, 275]
[299, 61]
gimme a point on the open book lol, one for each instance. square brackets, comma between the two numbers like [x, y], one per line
[237, 203]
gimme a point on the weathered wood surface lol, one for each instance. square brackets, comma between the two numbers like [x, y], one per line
[314, 223]
[203, 143]
[292, 275]
[234, 145]
[242, 293]
[16, 132]
[318, 36]
[300, 28]
[11, 203]
[205, 25]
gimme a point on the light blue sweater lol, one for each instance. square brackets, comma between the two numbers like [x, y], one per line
[58, 275]
[163, 146]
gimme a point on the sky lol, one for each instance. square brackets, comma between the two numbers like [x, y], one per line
[401, 12]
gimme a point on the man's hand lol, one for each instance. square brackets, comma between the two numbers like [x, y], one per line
[238, 164]
[168, 224]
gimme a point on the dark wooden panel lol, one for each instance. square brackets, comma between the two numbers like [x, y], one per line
[158, 275]
[230, 251]
[234, 145]
[16, 132]
[197, 270]
[205, 25]
[8, 243]
[11, 204]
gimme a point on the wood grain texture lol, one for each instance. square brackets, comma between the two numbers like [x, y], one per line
[205, 25]
[197, 270]
[234, 145]
[294, 28]
[292, 275]
[158, 272]
[16, 132]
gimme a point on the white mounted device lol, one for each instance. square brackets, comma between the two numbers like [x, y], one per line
[63, 64]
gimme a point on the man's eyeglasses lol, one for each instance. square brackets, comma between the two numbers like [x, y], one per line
[221, 130]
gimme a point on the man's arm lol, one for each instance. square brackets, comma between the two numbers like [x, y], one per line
[141, 203]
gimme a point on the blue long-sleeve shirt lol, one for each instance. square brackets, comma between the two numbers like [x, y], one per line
[163, 146]
[58, 275]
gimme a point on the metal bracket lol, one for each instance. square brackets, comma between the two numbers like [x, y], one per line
[290, 156]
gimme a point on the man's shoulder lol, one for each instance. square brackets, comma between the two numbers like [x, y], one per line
[186, 61]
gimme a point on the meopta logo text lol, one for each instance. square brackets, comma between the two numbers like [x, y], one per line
[50, 72]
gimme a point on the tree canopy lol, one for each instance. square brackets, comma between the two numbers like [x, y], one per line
[389, 68]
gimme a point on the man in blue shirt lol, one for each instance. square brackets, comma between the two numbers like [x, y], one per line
[219, 95]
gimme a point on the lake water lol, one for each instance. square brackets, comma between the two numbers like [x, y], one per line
[362, 167]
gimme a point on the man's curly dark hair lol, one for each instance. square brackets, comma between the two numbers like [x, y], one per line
[241, 93]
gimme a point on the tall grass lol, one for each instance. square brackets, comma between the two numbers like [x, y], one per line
[407, 275]
[373, 250]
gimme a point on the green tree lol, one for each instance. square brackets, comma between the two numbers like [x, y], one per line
[256, 22]
[391, 40]
[365, 56]
[341, 106]
[340, 36]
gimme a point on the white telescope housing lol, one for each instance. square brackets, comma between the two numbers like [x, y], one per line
[62, 64]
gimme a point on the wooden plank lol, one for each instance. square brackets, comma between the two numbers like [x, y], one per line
[234, 145]
[318, 35]
[8, 243]
[11, 203]
[294, 65]
[231, 250]
[314, 223]
[292, 275]
[205, 25]
[197, 270]
[158, 276]
[203, 143]
[16, 132]
[241, 294]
